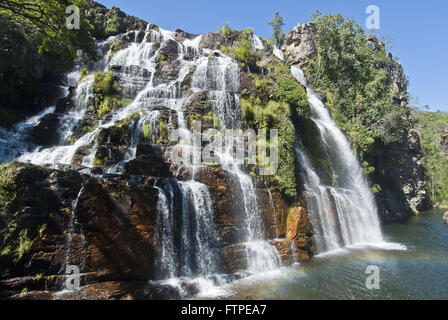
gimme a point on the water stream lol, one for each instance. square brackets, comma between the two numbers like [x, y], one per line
[344, 213]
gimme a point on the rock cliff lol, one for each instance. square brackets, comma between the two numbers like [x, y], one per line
[398, 166]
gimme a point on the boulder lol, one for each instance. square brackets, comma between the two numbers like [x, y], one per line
[300, 44]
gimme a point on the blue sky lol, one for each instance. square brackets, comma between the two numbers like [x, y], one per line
[419, 29]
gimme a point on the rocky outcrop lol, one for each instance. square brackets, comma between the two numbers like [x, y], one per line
[110, 22]
[398, 167]
[400, 173]
[300, 44]
[46, 132]
[111, 238]
[107, 228]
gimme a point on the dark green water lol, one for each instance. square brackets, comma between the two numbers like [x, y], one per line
[419, 271]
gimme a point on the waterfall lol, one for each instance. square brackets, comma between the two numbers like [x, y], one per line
[256, 42]
[14, 142]
[194, 251]
[219, 76]
[345, 213]
[186, 234]
[204, 239]
[278, 53]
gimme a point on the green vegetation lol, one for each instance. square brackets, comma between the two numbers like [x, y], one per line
[46, 19]
[115, 47]
[97, 162]
[24, 245]
[353, 77]
[243, 53]
[36, 48]
[278, 36]
[113, 23]
[146, 131]
[226, 31]
[432, 126]
[162, 58]
[276, 101]
[107, 93]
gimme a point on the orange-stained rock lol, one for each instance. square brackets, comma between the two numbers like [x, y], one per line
[298, 223]
[294, 250]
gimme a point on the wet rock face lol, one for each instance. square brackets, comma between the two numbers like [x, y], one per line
[113, 237]
[300, 44]
[112, 240]
[46, 132]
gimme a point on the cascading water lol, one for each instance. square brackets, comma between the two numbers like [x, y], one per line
[186, 234]
[257, 43]
[186, 237]
[220, 77]
[346, 213]
[278, 53]
[14, 142]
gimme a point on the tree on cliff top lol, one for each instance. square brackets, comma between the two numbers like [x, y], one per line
[278, 36]
[45, 20]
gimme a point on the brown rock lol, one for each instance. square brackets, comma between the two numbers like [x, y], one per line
[235, 258]
[298, 223]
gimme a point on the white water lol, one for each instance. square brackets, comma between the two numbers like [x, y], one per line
[185, 206]
[345, 213]
[256, 43]
[14, 142]
[278, 53]
[220, 77]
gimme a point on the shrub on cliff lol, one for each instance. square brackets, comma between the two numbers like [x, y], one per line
[354, 77]
[432, 126]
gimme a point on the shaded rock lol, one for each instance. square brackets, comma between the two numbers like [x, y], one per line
[149, 162]
[235, 258]
[274, 212]
[112, 241]
[110, 290]
[226, 205]
[46, 132]
[414, 141]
